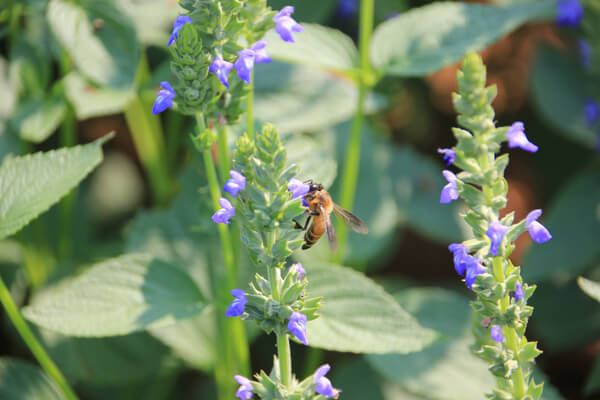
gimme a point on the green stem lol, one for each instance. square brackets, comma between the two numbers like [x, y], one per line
[366, 81]
[283, 340]
[34, 345]
[232, 341]
[249, 108]
[223, 150]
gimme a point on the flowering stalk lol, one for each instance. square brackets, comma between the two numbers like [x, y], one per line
[501, 310]
[366, 80]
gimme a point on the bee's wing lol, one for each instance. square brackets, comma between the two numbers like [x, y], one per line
[351, 220]
[331, 236]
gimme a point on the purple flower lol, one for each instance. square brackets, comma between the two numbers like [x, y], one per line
[592, 111]
[260, 54]
[537, 231]
[347, 8]
[180, 21]
[516, 138]
[496, 232]
[235, 184]
[323, 385]
[221, 68]
[244, 64]
[164, 99]
[449, 155]
[297, 326]
[222, 216]
[245, 390]
[236, 308]
[460, 257]
[568, 13]
[518, 293]
[449, 192]
[285, 24]
[297, 268]
[298, 188]
[474, 269]
[585, 53]
[496, 333]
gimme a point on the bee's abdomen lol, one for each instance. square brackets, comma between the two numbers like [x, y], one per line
[310, 238]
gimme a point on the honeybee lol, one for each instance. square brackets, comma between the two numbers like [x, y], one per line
[320, 207]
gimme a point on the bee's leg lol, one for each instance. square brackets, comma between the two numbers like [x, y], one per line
[298, 226]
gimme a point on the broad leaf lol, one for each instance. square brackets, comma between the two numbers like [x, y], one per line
[317, 46]
[90, 101]
[116, 297]
[559, 92]
[100, 39]
[36, 120]
[313, 156]
[20, 380]
[29, 185]
[590, 288]
[426, 39]
[358, 316]
[574, 222]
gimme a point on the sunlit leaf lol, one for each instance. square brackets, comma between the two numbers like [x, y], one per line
[591, 288]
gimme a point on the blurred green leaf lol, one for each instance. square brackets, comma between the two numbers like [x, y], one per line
[358, 316]
[90, 101]
[9, 94]
[30, 68]
[559, 92]
[313, 156]
[31, 184]
[153, 19]
[116, 297]
[9, 144]
[426, 39]
[590, 288]
[574, 221]
[299, 98]
[308, 10]
[593, 380]
[35, 120]
[20, 380]
[317, 46]
[100, 39]
[109, 361]
[565, 317]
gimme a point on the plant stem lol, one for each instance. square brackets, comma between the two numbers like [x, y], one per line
[232, 341]
[283, 340]
[365, 82]
[249, 108]
[34, 345]
[223, 151]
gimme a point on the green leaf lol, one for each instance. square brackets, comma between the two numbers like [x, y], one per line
[299, 98]
[317, 46]
[426, 39]
[9, 144]
[574, 222]
[314, 157]
[90, 101]
[29, 185]
[20, 380]
[590, 288]
[37, 119]
[108, 54]
[307, 10]
[358, 316]
[153, 19]
[118, 296]
[559, 93]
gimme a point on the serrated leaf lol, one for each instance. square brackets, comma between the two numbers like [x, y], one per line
[559, 93]
[29, 185]
[358, 316]
[590, 288]
[108, 54]
[574, 222]
[37, 119]
[118, 296]
[20, 380]
[426, 39]
[317, 46]
[90, 101]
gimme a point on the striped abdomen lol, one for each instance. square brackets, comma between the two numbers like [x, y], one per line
[314, 232]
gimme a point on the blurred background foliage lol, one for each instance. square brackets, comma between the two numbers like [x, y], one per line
[70, 72]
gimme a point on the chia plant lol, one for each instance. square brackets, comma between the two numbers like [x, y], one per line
[500, 309]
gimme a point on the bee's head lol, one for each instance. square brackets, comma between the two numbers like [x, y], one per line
[315, 187]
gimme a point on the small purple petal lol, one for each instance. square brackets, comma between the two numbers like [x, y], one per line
[450, 191]
[235, 184]
[164, 99]
[285, 26]
[284, 12]
[323, 385]
[297, 326]
[449, 155]
[260, 53]
[298, 188]
[180, 21]
[516, 138]
[474, 269]
[244, 64]
[245, 390]
[496, 333]
[592, 111]
[299, 270]
[223, 215]
[236, 308]
[221, 68]
[537, 231]
[518, 293]
[496, 233]
[347, 8]
[569, 13]
[460, 257]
